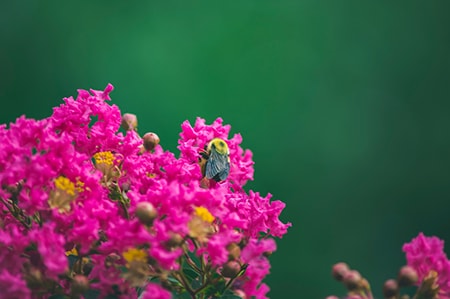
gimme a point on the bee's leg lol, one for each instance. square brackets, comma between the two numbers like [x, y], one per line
[204, 155]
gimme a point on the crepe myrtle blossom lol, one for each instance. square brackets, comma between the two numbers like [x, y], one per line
[427, 267]
[427, 257]
[90, 209]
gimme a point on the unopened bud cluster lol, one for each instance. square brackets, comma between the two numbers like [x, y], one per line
[428, 269]
[358, 287]
[352, 280]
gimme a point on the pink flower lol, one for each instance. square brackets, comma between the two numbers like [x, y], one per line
[12, 286]
[108, 279]
[154, 291]
[258, 266]
[51, 248]
[260, 213]
[217, 245]
[122, 234]
[75, 116]
[73, 182]
[12, 242]
[427, 254]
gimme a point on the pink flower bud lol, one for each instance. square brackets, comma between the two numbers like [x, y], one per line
[234, 251]
[33, 277]
[150, 141]
[339, 270]
[231, 269]
[146, 213]
[352, 279]
[407, 276]
[390, 288]
[129, 122]
[175, 240]
[80, 284]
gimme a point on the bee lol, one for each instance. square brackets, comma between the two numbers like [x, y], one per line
[215, 160]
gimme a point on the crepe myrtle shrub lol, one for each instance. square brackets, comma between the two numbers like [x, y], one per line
[93, 210]
[427, 270]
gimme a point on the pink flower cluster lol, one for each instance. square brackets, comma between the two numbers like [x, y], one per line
[85, 208]
[426, 254]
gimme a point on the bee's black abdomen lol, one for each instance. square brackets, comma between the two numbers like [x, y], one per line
[217, 178]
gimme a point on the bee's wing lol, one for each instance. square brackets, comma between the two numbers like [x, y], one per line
[217, 167]
[222, 175]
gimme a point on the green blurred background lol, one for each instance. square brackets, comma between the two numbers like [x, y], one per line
[345, 106]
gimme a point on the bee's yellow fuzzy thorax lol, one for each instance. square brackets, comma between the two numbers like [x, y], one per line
[220, 145]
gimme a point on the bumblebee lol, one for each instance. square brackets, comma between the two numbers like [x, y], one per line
[215, 160]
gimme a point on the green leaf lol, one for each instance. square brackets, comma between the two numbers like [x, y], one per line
[184, 295]
[190, 274]
[115, 194]
[230, 296]
[192, 277]
[174, 282]
[214, 290]
[91, 294]
[194, 258]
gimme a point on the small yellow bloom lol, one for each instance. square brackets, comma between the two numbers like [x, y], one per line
[204, 214]
[135, 255]
[107, 163]
[138, 268]
[104, 158]
[62, 195]
[72, 251]
[64, 184]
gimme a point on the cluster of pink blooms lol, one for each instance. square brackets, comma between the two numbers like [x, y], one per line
[86, 209]
[427, 267]
[427, 257]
